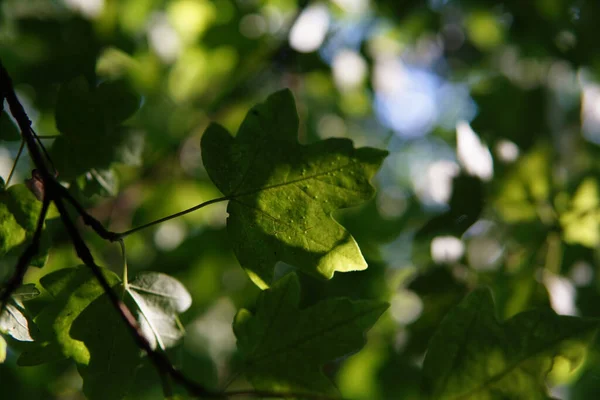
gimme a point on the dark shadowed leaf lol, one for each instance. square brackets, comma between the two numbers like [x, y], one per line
[114, 355]
[281, 194]
[473, 356]
[8, 129]
[284, 348]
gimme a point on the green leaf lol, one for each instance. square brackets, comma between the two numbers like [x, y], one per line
[26, 292]
[282, 194]
[581, 222]
[284, 348]
[73, 289]
[2, 350]
[159, 298]
[19, 212]
[8, 130]
[114, 356]
[81, 323]
[81, 110]
[473, 356]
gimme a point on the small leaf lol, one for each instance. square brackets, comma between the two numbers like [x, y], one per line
[284, 348]
[282, 194]
[114, 356]
[472, 356]
[15, 321]
[159, 298]
[581, 223]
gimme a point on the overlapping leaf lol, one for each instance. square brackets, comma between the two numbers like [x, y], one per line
[14, 320]
[284, 347]
[80, 323]
[281, 194]
[73, 290]
[473, 356]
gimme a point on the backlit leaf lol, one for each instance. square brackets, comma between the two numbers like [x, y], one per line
[159, 298]
[73, 290]
[282, 194]
[15, 321]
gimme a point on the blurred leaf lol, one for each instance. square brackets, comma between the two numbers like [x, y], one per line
[101, 182]
[90, 122]
[473, 356]
[282, 194]
[285, 348]
[526, 189]
[439, 291]
[581, 222]
[466, 205]
[159, 299]
[8, 129]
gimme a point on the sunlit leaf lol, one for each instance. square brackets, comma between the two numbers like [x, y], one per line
[285, 347]
[473, 356]
[282, 194]
[15, 321]
[525, 192]
[159, 299]
[581, 223]
[73, 290]
[19, 212]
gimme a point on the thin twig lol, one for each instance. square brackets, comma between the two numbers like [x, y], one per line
[179, 214]
[14, 166]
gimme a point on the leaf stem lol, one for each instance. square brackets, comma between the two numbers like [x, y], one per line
[14, 167]
[179, 214]
[125, 273]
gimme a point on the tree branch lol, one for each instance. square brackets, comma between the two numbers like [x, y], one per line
[54, 192]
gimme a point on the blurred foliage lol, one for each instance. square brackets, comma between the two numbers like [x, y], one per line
[514, 206]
